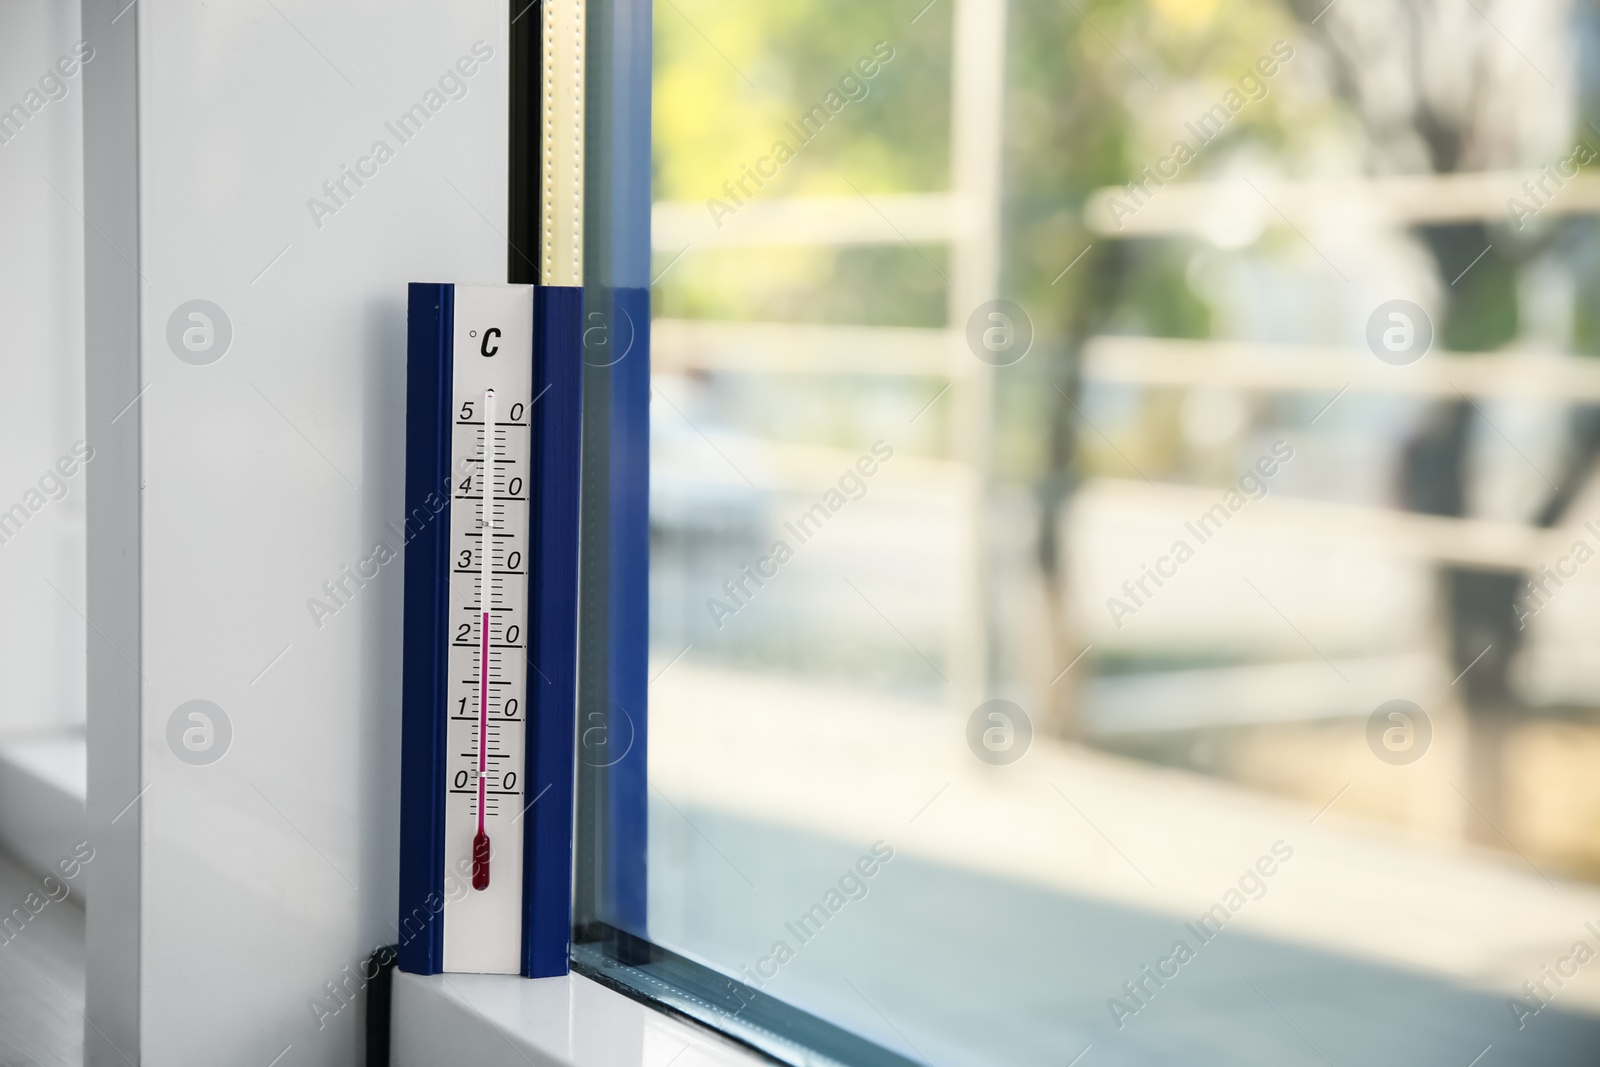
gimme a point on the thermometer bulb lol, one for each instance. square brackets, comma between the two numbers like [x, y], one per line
[480, 861]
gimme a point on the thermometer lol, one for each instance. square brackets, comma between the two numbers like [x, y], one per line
[489, 527]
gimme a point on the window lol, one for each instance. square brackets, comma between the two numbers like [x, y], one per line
[1119, 565]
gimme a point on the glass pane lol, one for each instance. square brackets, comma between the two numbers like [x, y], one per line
[1123, 515]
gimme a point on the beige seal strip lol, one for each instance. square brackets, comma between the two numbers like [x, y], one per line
[561, 147]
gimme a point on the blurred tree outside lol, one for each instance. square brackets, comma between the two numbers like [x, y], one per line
[1096, 90]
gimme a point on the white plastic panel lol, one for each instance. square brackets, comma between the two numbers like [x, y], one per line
[299, 163]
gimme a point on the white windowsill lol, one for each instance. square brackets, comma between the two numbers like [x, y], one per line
[455, 1018]
[495, 1020]
[43, 782]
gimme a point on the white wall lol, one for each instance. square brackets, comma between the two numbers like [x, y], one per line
[258, 878]
[41, 368]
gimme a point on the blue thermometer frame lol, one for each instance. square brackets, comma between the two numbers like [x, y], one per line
[552, 648]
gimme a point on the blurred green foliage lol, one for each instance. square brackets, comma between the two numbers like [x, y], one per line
[730, 74]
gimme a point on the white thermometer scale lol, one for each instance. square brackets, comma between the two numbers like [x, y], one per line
[492, 397]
